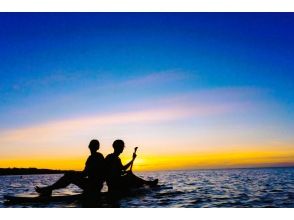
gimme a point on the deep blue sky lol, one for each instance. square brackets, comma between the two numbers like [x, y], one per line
[233, 49]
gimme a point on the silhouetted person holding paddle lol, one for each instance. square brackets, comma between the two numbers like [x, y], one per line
[90, 179]
[117, 176]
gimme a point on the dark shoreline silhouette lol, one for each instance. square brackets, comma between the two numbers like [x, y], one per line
[30, 171]
[36, 171]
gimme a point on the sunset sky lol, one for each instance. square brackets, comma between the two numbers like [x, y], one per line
[194, 90]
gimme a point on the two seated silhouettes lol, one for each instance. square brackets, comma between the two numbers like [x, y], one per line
[97, 170]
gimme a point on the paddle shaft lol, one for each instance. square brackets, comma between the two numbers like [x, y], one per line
[136, 148]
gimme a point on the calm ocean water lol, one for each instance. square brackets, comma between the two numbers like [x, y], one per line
[269, 187]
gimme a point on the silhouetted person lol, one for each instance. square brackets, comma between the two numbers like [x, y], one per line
[90, 179]
[117, 178]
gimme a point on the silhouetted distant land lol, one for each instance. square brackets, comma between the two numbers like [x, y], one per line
[29, 171]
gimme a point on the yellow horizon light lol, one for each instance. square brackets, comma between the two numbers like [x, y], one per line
[227, 159]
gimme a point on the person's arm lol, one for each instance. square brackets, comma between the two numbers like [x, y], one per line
[125, 167]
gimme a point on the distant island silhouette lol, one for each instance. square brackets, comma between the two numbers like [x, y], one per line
[30, 171]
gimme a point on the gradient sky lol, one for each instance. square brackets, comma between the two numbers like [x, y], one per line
[192, 90]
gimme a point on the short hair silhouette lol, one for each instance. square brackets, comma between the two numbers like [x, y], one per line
[118, 145]
[94, 145]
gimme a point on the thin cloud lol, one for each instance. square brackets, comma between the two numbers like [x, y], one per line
[157, 77]
[170, 112]
[47, 80]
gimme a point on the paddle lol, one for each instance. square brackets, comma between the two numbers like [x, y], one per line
[136, 148]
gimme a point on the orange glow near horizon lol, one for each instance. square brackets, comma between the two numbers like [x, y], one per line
[205, 160]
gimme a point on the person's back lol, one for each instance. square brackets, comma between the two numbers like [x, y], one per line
[95, 168]
[113, 170]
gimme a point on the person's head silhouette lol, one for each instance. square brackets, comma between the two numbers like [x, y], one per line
[118, 146]
[94, 146]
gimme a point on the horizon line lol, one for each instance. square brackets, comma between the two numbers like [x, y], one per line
[183, 169]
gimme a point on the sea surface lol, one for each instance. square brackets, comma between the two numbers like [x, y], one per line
[266, 187]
